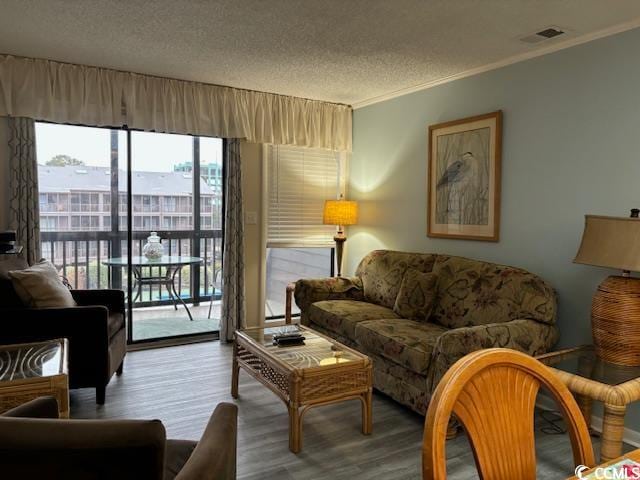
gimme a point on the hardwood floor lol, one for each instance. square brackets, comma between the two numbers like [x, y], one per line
[182, 385]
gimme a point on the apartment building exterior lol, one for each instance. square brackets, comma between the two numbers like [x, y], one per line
[78, 198]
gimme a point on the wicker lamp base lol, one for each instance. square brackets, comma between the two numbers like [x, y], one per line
[615, 320]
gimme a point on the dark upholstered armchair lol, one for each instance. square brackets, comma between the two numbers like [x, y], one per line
[95, 330]
[41, 446]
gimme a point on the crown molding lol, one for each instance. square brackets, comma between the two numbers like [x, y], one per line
[571, 42]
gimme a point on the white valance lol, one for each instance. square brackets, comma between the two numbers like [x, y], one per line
[77, 94]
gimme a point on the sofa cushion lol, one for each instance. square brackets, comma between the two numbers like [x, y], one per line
[342, 316]
[472, 293]
[40, 286]
[405, 342]
[417, 295]
[382, 271]
[401, 384]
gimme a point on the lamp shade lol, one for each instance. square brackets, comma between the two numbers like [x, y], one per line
[340, 212]
[612, 242]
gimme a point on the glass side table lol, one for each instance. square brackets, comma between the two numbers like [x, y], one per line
[32, 370]
[590, 378]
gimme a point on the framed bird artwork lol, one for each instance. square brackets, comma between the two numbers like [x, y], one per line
[463, 178]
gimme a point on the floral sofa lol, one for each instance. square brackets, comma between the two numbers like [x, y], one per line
[473, 305]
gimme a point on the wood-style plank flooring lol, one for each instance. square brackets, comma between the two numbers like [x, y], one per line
[181, 386]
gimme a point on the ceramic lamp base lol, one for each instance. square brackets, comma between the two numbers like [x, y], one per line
[615, 320]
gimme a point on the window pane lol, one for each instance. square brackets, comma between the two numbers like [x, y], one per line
[160, 177]
[73, 177]
[286, 265]
[299, 182]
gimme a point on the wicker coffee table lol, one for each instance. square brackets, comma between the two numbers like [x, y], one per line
[320, 372]
[31, 370]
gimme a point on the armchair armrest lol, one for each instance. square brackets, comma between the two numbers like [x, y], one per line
[527, 336]
[34, 324]
[112, 299]
[41, 407]
[84, 327]
[41, 448]
[214, 458]
[309, 291]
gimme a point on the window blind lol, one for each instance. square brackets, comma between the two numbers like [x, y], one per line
[299, 181]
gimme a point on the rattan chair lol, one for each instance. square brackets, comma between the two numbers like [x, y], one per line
[493, 394]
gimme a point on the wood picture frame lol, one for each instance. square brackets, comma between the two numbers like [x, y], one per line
[463, 178]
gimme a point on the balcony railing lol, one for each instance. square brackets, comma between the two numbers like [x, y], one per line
[80, 256]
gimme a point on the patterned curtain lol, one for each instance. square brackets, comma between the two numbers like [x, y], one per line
[233, 306]
[24, 211]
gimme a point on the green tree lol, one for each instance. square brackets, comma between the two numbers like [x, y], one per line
[63, 160]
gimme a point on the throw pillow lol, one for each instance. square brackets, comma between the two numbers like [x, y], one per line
[417, 295]
[40, 286]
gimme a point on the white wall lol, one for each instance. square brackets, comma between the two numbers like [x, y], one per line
[255, 242]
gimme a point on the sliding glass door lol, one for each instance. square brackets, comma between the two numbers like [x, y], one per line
[175, 194]
[103, 192]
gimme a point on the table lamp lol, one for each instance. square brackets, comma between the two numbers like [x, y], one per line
[340, 212]
[614, 242]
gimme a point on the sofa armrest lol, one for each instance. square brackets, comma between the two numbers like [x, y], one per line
[214, 458]
[110, 298]
[309, 291]
[527, 336]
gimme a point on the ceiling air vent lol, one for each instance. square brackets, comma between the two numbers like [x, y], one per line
[543, 35]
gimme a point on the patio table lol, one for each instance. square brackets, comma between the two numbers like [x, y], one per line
[173, 264]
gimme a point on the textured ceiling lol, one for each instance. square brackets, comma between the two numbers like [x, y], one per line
[346, 51]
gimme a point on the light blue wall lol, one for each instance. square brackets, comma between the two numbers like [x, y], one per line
[571, 146]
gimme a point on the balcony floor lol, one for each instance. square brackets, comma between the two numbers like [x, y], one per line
[165, 321]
